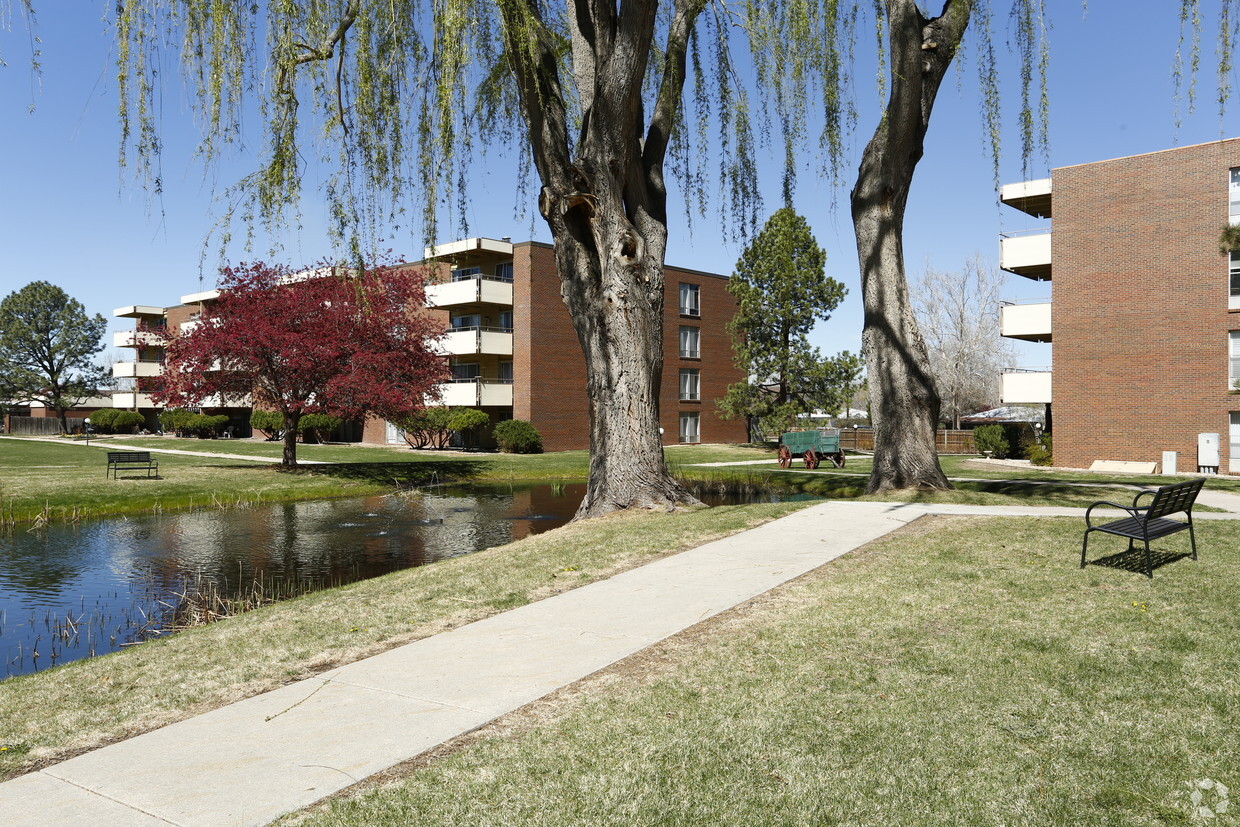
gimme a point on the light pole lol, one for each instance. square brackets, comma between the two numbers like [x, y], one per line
[88, 431]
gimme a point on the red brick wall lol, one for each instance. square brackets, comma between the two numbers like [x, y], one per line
[546, 351]
[1140, 306]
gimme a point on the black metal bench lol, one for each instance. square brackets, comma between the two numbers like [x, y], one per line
[1149, 522]
[131, 461]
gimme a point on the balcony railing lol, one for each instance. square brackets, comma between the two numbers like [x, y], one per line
[133, 370]
[470, 290]
[1028, 320]
[469, 341]
[1026, 386]
[476, 392]
[138, 338]
[1026, 253]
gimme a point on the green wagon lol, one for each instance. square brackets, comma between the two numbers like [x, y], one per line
[812, 446]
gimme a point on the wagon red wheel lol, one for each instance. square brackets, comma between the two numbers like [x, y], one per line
[812, 459]
[785, 456]
[838, 460]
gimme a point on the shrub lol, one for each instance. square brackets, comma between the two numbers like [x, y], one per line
[125, 422]
[430, 427]
[204, 426]
[990, 438]
[102, 422]
[176, 420]
[1040, 452]
[319, 426]
[268, 423]
[516, 436]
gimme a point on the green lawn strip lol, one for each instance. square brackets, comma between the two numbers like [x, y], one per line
[965, 671]
[42, 480]
[50, 715]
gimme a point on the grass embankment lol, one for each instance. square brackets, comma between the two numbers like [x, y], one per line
[962, 672]
[51, 715]
[54, 481]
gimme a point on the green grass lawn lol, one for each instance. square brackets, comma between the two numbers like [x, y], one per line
[58, 481]
[964, 671]
[42, 480]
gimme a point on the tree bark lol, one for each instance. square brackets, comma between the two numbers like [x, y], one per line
[604, 200]
[289, 456]
[904, 404]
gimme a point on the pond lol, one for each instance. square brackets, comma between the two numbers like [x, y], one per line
[73, 591]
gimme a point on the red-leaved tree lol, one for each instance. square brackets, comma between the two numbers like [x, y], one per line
[330, 339]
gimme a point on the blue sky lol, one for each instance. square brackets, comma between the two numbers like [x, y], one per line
[69, 215]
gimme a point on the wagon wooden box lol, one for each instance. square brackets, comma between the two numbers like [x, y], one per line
[811, 446]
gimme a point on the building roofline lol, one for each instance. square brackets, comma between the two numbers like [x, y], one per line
[666, 265]
[1143, 154]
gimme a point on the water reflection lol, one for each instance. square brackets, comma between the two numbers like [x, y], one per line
[68, 592]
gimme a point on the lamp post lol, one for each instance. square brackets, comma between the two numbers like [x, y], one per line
[88, 431]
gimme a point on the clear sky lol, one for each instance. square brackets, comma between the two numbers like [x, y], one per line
[70, 216]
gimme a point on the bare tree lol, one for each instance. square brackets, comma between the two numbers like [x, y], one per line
[958, 312]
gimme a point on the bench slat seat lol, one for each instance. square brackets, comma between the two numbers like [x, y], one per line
[131, 461]
[1149, 522]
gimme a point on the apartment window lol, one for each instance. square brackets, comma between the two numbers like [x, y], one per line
[464, 321]
[464, 371]
[462, 273]
[690, 343]
[690, 385]
[503, 272]
[1233, 196]
[1233, 374]
[689, 427]
[505, 371]
[505, 321]
[689, 300]
[1233, 299]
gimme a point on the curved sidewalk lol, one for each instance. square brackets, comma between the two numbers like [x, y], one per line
[252, 761]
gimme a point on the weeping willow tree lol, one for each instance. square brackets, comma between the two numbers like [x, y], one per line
[403, 93]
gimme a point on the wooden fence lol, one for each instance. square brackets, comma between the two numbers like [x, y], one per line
[947, 442]
[41, 426]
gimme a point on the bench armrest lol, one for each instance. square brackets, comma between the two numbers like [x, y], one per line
[1139, 496]
[1135, 512]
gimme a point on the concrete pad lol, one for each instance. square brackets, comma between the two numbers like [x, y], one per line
[38, 800]
[1122, 467]
[252, 761]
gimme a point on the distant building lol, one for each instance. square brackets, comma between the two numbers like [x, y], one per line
[512, 349]
[1146, 312]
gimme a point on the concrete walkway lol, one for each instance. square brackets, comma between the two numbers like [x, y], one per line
[120, 446]
[250, 762]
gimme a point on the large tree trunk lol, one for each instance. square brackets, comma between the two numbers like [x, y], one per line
[904, 405]
[604, 199]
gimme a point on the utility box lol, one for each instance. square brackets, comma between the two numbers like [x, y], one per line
[1207, 453]
[1168, 463]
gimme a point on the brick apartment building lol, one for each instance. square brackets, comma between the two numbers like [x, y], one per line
[512, 349]
[1145, 313]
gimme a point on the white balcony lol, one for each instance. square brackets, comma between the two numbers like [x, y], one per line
[469, 291]
[135, 370]
[139, 311]
[1026, 387]
[129, 401]
[1029, 322]
[1033, 197]
[477, 340]
[138, 338]
[1027, 254]
[476, 393]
